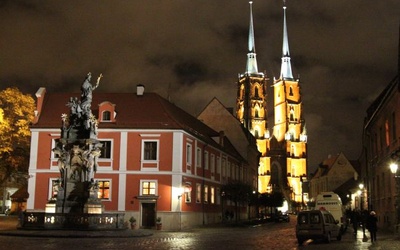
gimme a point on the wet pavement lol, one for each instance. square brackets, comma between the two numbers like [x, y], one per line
[9, 227]
[270, 236]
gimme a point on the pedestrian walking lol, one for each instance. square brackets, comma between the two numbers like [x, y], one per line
[364, 218]
[355, 220]
[372, 225]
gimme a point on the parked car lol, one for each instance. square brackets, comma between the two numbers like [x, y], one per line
[317, 225]
[280, 217]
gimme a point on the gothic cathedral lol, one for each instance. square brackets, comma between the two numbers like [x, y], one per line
[283, 161]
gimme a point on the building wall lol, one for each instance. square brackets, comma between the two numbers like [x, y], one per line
[126, 170]
[381, 140]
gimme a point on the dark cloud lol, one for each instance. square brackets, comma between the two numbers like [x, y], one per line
[345, 53]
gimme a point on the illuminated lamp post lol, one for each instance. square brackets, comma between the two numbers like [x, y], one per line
[394, 167]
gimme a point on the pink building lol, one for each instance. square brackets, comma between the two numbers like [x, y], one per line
[156, 161]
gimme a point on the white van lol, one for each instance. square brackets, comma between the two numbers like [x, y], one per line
[331, 202]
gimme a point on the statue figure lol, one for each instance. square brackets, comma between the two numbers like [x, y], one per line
[87, 89]
[91, 163]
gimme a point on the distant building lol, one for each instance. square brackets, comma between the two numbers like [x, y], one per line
[331, 176]
[220, 118]
[283, 161]
[156, 159]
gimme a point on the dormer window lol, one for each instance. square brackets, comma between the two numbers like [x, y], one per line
[107, 112]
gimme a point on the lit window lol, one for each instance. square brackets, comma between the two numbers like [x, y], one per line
[212, 195]
[150, 150]
[104, 190]
[148, 188]
[198, 193]
[54, 184]
[205, 194]
[188, 193]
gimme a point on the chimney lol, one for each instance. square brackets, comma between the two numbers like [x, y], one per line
[221, 137]
[139, 89]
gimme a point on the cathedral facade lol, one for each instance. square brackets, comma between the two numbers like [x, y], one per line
[283, 161]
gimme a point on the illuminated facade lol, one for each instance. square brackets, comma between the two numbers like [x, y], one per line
[283, 163]
[156, 160]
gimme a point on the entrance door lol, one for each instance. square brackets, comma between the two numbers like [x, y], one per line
[148, 215]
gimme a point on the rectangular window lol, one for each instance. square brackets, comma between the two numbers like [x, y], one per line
[188, 193]
[218, 196]
[56, 153]
[105, 149]
[198, 157]
[148, 188]
[189, 154]
[212, 164]
[212, 195]
[206, 160]
[198, 193]
[104, 190]
[387, 136]
[150, 150]
[205, 194]
[218, 165]
[106, 116]
[54, 186]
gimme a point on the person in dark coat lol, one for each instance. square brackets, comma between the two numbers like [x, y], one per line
[372, 225]
[355, 220]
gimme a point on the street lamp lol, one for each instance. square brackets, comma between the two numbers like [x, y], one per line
[394, 167]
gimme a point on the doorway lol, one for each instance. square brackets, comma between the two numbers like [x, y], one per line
[148, 215]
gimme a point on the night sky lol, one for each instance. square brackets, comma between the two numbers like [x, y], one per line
[345, 53]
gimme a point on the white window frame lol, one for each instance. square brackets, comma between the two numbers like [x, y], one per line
[50, 190]
[205, 194]
[206, 160]
[109, 189]
[148, 180]
[198, 193]
[198, 157]
[212, 164]
[188, 194]
[103, 118]
[189, 154]
[212, 195]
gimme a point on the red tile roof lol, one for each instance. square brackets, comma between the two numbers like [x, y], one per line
[148, 111]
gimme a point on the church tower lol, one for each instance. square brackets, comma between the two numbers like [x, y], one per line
[283, 161]
[289, 141]
[251, 105]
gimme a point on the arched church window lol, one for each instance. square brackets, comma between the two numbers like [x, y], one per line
[291, 91]
[256, 92]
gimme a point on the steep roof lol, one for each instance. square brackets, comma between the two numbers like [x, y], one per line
[147, 111]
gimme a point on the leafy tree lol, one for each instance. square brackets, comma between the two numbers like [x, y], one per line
[271, 200]
[16, 114]
[237, 192]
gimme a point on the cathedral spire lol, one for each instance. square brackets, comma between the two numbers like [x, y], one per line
[251, 66]
[286, 68]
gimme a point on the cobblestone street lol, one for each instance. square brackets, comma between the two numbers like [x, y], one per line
[265, 236]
